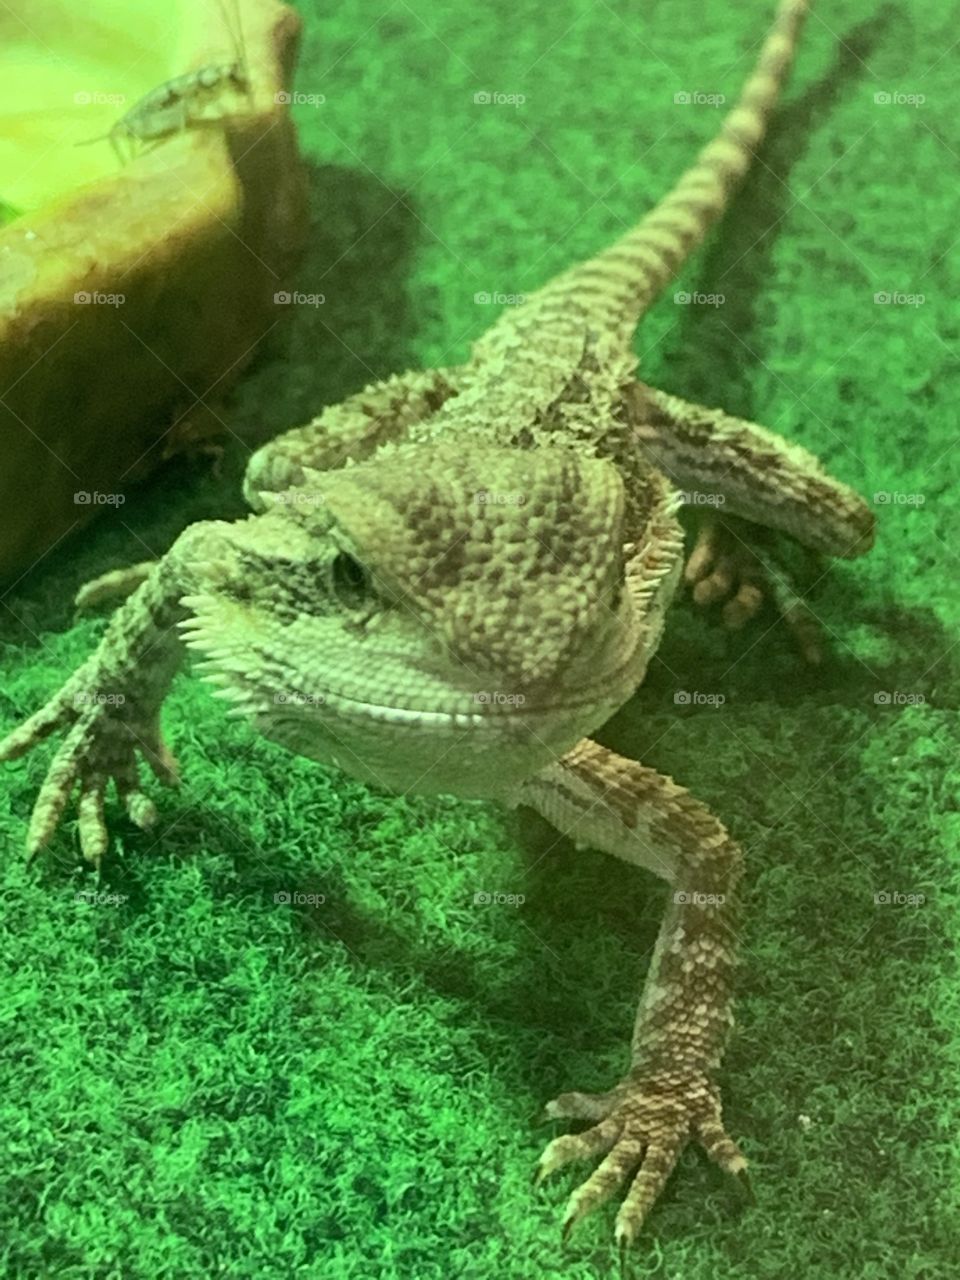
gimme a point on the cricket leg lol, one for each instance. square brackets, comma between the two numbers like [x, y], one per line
[670, 1094]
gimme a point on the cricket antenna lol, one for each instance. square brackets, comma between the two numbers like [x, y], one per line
[233, 21]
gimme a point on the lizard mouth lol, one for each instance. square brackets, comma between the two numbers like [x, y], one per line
[484, 752]
[319, 700]
[472, 710]
[477, 746]
[241, 657]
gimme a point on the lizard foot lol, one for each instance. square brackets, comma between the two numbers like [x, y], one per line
[724, 567]
[645, 1121]
[104, 735]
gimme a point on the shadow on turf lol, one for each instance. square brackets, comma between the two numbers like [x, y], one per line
[703, 362]
[358, 256]
[761, 664]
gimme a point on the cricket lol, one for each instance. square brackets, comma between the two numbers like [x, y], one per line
[191, 100]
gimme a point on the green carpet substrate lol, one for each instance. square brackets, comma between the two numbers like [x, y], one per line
[200, 1081]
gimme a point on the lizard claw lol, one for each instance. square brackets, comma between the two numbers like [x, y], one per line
[101, 745]
[642, 1125]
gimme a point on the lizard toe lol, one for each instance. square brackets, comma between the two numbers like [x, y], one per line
[91, 825]
[113, 586]
[734, 565]
[576, 1146]
[580, 1106]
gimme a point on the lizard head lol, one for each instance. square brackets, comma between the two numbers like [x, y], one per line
[437, 619]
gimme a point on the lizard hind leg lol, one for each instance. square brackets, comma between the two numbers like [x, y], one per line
[747, 483]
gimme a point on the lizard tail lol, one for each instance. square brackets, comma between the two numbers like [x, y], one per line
[631, 272]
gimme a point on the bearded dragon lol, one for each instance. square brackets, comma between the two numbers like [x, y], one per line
[451, 580]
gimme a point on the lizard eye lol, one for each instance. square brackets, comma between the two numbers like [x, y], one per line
[351, 582]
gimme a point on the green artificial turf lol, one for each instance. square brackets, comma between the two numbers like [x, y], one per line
[200, 1081]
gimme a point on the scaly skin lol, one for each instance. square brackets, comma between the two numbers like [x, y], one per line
[452, 579]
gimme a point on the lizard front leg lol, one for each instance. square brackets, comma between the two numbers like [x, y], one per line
[351, 431]
[110, 706]
[670, 1093]
[747, 472]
